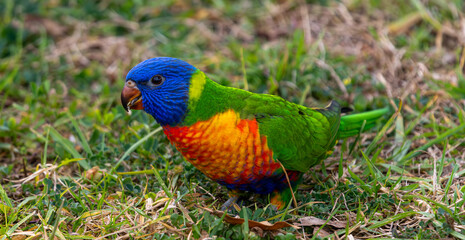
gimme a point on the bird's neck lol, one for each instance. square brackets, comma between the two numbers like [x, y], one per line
[208, 98]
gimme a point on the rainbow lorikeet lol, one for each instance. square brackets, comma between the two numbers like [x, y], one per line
[235, 137]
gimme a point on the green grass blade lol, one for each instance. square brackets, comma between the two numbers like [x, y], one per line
[391, 219]
[341, 159]
[360, 181]
[441, 164]
[5, 208]
[439, 139]
[6, 81]
[12, 229]
[68, 146]
[44, 159]
[449, 182]
[383, 130]
[162, 183]
[369, 164]
[135, 145]
[5, 197]
[426, 15]
[402, 150]
[437, 204]
[245, 225]
[82, 138]
[57, 220]
[457, 235]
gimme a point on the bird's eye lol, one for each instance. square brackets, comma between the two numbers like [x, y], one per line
[157, 80]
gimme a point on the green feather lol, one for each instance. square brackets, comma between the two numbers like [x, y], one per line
[214, 99]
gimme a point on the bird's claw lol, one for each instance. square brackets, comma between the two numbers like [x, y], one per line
[229, 203]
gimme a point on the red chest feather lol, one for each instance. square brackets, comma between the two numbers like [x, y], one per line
[225, 148]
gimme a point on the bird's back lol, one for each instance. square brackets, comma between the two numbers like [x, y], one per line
[299, 136]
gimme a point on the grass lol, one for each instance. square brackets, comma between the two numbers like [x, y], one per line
[74, 165]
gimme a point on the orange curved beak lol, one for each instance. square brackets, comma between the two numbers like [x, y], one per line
[131, 98]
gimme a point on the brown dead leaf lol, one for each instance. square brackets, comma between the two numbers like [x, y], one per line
[19, 237]
[322, 233]
[313, 221]
[264, 225]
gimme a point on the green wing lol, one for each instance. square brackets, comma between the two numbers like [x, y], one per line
[299, 137]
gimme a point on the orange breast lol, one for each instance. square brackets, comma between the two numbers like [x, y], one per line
[225, 148]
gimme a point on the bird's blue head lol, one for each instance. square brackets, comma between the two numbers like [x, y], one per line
[160, 87]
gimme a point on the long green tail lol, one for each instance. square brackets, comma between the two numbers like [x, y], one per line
[351, 124]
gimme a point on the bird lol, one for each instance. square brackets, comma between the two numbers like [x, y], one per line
[247, 142]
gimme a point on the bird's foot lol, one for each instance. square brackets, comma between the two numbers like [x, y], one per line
[230, 203]
[235, 201]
